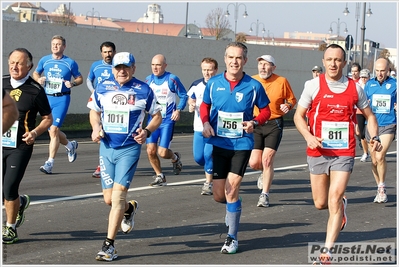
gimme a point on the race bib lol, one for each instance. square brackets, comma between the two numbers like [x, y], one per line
[230, 124]
[116, 119]
[381, 103]
[335, 134]
[10, 137]
[53, 85]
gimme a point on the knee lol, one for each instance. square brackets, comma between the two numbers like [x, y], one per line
[163, 153]
[219, 198]
[118, 199]
[320, 205]
[254, 164]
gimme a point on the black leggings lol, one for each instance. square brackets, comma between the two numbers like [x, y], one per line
[15, 162]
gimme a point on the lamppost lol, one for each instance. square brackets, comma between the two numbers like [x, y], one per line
[257, 28]
[236, 7]
[92, 14]
[357, 15]
[338, 26]
[363, 33]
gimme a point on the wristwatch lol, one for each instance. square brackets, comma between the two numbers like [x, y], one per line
[148, 132]
[376, 138]
[256, 123]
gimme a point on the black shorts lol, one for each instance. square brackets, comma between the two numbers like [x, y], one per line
[225, 161]
[269, 134]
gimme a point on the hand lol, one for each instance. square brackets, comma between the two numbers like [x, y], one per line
[314, 142]
[141, 136]
[68, 84]
[284, 108]
[191, 107]
[248, 126]
[97, 134]
[29, 138]
[42, 80]
[375, 146]
[175, 115]
[208, 130]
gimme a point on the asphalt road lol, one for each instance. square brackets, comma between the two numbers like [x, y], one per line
[66, 222]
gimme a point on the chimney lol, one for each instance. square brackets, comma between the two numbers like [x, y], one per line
[38, 4]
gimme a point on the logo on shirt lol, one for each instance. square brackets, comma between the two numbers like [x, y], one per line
[328, 96]
[239, 97]
[55, 68]
[119, 99]
[388, 86]
[220, 89]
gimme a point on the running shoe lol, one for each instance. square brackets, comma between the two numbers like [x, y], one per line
[260, 181]
[97, 172]
[25, 201]
[381, 196]
[344, 217]
[159, 180]
[177, 165]
[263, 200]
[364, 158]
[107, 252]
[230, 246]
[47, 168]
[207, 189]
[127, 223]
[72, 153]
[10, 235]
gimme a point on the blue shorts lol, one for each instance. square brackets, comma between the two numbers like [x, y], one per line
[118, 165]
[59, 108]
[202, 152]
[165, 135]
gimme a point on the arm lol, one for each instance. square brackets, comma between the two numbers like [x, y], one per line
[89, 84]
[290, 100]
[45, 123]
[38, 78]
[302, 127]
[95, 122]
[77, 81]
[10, 112]
[204, 113]
[155, 122]
[372, 128]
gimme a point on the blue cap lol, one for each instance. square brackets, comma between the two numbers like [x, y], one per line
[123, 58]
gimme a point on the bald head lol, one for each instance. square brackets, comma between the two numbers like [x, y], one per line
[381, 69]
[158, 65]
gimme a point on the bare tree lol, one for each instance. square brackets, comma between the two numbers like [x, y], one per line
[217, 23]
[241, 37]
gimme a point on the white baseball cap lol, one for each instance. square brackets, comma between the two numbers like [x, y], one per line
[268, 58]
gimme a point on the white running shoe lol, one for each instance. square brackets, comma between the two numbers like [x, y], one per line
[230, 246]
[107, 252]
[127, 223]
[364, 158]
[47, 168]
[72, 153]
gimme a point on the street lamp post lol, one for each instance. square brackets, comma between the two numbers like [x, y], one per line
[92, 14]
[363, 33]
[338, 26]
[357, 15]
[236, 7]
[257, 28]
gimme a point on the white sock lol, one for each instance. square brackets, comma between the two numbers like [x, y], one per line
[69, 145]
[51, 160]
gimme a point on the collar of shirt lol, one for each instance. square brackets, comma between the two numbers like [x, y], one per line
[18, 83]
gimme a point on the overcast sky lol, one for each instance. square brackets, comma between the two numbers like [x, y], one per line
[276, 17]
